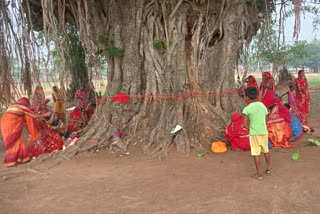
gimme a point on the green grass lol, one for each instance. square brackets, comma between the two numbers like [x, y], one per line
[314, 81]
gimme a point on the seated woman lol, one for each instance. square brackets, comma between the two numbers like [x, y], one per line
[48, 141]
[38, 101]
[252, 82]
[278, 125]
[58, 126]
[11, 128]
[302, 118]
[236, 134]
[295, 125]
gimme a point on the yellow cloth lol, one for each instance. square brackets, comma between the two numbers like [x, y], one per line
[58, 106]
[218, 147]
[258, 144]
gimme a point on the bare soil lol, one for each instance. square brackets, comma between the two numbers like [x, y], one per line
[216, 183]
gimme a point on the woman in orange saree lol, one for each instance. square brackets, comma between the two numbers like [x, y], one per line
[267, 88]
[278, 125]
[11, 128]
[58, 106]
[302, 93]
[252, 82]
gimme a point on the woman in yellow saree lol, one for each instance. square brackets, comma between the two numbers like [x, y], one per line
[11, 128]
[58, 106]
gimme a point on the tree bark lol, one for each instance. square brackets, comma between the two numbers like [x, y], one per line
[188, 80]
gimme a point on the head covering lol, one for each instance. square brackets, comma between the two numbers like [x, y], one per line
[236, 117]
[277, 100]
[279, 112]
[267, 75]
[235, 128]
[23, 101]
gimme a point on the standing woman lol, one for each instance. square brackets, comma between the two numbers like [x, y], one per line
[267, 89]
[11, 128]
[81, 96]
[302, 93]
[58, 106]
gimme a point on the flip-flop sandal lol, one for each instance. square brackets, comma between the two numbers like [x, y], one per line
[257, 176]
[268, 172]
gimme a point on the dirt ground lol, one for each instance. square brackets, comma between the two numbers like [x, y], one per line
[215, 183]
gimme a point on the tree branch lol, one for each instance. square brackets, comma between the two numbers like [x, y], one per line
[175, 9]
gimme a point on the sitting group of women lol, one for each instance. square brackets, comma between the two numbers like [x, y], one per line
[285, 122]
[47, 132]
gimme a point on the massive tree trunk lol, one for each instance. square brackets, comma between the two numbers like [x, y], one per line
[177, 68]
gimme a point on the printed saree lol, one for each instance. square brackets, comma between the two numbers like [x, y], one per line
[302, 97]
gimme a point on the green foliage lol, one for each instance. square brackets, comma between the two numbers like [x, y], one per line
[76, 51]
[313, 142]
[236, 3]
[110, 48]
[162, 44]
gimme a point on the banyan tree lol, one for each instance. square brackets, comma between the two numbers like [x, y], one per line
[175, 59]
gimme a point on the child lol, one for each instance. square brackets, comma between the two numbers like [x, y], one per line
[291, 95]
[258, 133]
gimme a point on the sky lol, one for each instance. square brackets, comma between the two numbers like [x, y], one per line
[306, 31]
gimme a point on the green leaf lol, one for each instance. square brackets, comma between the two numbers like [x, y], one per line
[295, 156]
[200, 154]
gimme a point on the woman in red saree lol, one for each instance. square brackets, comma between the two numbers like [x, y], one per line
[11, 128]
[38, 101]
[267, 88]
[48, 141]
[278, 125]
[252, 82]
[236, 134]
[302, 93]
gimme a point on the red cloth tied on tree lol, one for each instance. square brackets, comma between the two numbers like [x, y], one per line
[302, 97]
[236, 134]
[267, 94]
[121, 97]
